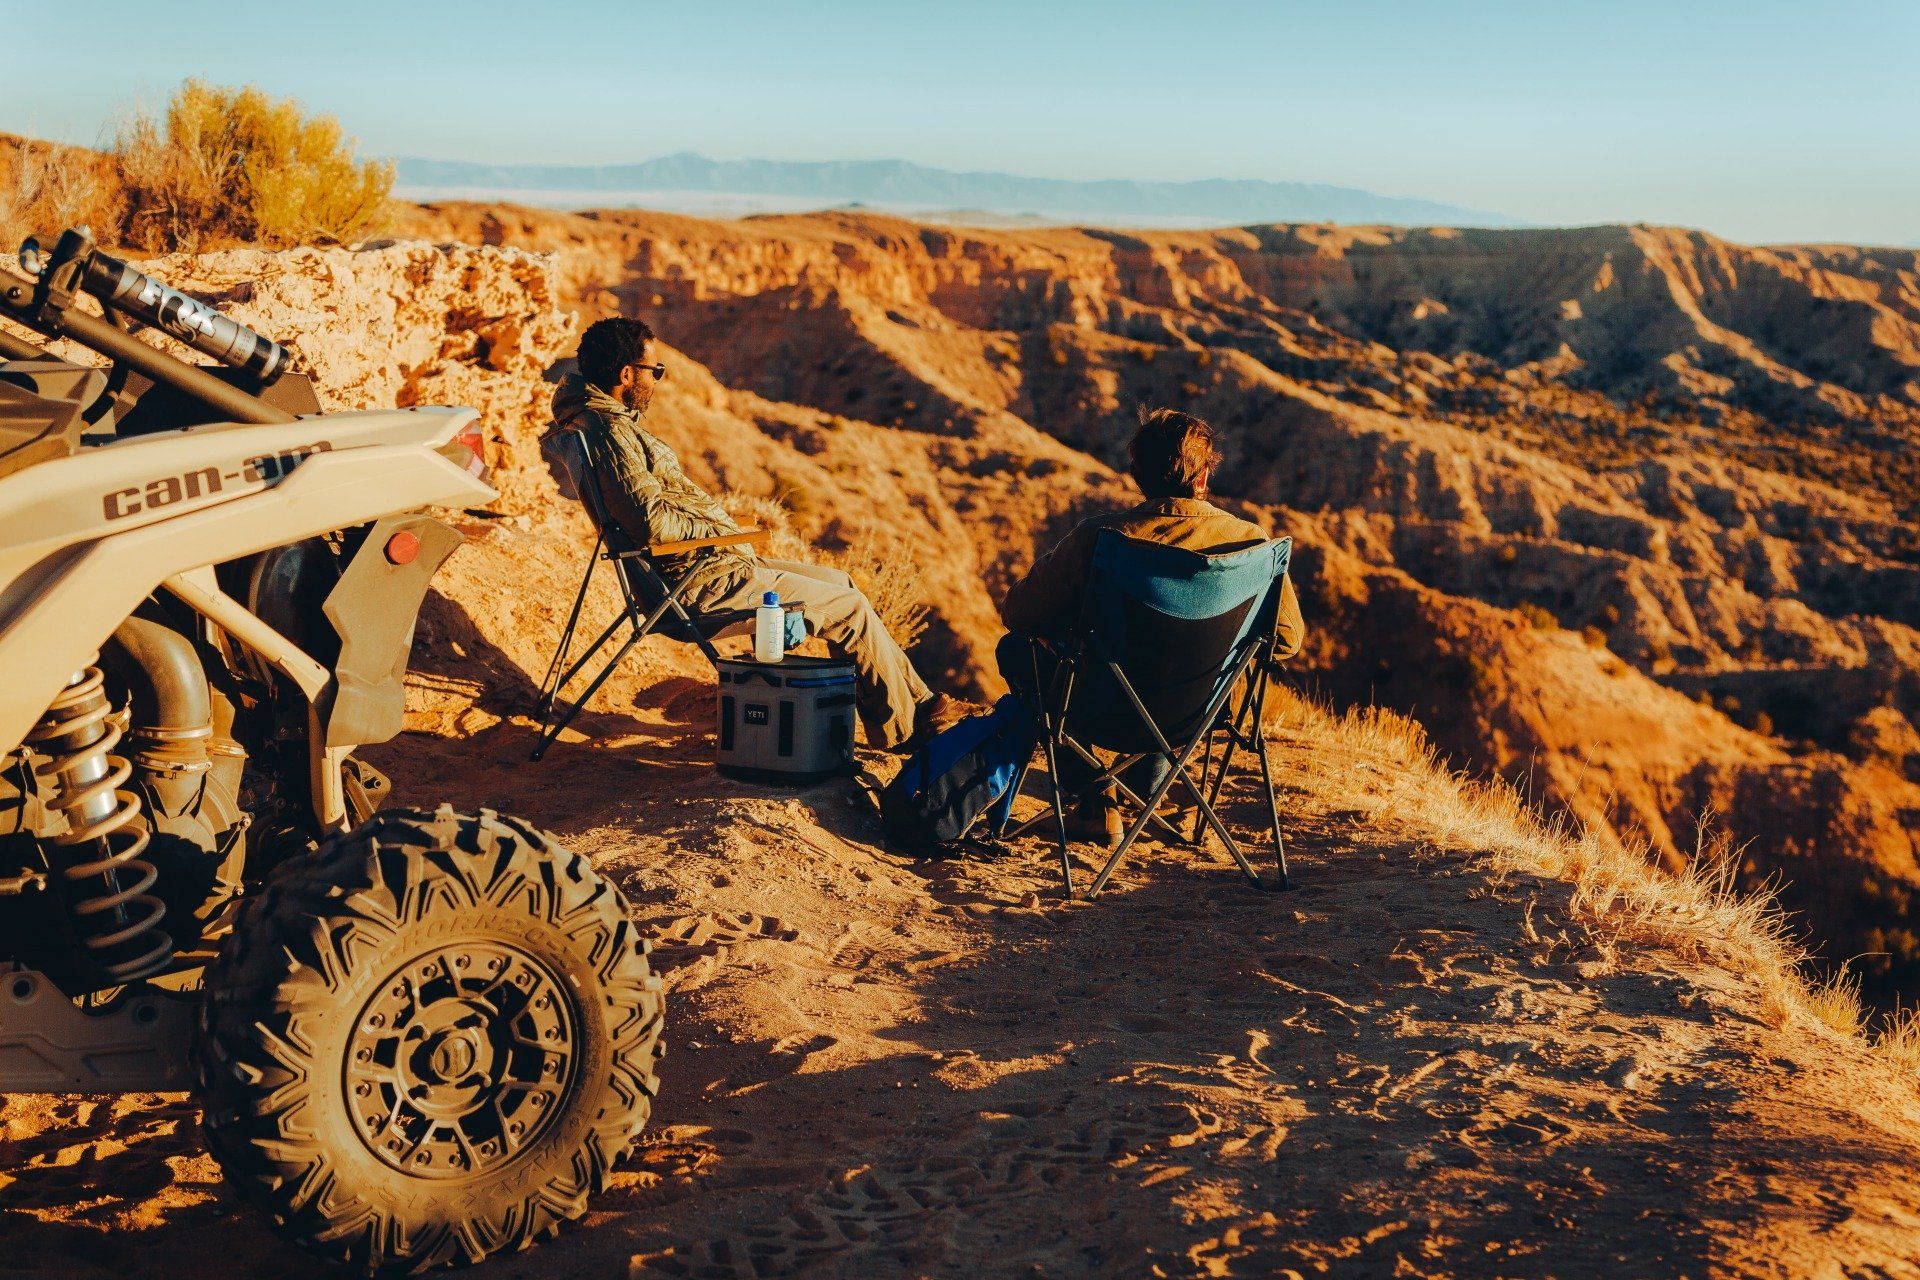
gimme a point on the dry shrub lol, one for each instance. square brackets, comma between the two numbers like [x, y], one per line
[1835, 1002]
[1899, 1040]
[795, 496]
[45, 189]
[236, 166]
[882, 567]
[1539, 618]
[783, 543]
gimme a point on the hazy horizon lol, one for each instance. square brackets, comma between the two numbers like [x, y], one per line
[1761, 122]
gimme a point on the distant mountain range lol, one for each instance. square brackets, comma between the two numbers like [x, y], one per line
[694, 182]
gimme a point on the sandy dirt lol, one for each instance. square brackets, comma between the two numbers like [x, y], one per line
[1407, 1065]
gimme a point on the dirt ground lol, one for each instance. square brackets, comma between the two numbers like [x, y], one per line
[878, 1067]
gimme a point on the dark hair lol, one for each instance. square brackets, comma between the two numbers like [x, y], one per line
[609, 346]
[1172, 454]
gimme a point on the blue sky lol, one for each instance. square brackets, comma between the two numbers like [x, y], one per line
[1758, 120]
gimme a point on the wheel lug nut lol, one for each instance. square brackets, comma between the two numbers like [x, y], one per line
[363, 1055]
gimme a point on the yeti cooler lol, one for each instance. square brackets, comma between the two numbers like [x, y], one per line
[789, 721]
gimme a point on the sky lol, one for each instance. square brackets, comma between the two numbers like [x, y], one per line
[1761, 120]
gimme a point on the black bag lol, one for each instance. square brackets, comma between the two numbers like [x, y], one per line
[961, 773]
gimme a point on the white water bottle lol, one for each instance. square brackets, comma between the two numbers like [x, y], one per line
[769, 630]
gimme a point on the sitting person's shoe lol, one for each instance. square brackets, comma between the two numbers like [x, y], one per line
[1096, 824]
[936, 715]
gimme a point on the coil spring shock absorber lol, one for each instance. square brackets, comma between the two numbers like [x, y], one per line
[104, 878]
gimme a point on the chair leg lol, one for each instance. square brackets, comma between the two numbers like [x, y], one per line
[1019, 781]
[1177, 773]
[1206, 771]
[550, 687]
[1250, 710]
[548, 729]
[1059, 814]
[1233, 731]
[1226, 838]
[1138, 825]
[1166, 829]
[1061, 683]
[1266, 776]
[550, 735]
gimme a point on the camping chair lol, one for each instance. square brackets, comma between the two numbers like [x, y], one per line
[1170, 661]
[649, 605]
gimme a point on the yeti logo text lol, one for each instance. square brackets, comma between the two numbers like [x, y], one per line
[167, 490]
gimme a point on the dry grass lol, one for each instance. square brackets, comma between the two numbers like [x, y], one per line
[1899, 1040]
[1835, 1001]
[234, 166]
[1623, 897]
[44, 189]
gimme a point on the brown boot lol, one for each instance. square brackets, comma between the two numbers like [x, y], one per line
[1096, 824]
[936, 715]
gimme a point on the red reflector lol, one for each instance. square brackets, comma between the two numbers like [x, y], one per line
[402, 547]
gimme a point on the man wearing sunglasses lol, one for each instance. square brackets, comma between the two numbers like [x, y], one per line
[642, 487]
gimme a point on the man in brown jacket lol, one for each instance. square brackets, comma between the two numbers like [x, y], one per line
[642, 488]
[1172, 459]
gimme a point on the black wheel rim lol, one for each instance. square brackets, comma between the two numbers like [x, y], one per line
[461, 1060]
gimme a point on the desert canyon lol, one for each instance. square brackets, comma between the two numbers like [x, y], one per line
[1618, 516]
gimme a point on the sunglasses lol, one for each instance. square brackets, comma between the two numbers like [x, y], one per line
[658, 371]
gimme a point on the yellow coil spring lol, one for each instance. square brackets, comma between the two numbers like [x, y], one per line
[118, 920]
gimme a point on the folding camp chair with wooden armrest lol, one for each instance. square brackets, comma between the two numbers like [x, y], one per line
[1170, 660]
[649, 606]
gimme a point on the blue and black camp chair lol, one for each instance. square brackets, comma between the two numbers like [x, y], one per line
[1169, 662]
[649, 605]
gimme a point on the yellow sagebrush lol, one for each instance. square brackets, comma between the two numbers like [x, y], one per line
[235, 166]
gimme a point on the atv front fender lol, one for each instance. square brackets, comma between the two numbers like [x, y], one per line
[373, 609]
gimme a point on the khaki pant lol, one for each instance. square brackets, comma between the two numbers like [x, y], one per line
[890, 690]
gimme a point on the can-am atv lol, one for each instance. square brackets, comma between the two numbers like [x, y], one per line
[417, 1037]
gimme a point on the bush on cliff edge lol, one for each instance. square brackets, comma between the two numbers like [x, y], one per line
[234, 166]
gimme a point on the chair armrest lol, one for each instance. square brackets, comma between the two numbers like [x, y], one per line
[745, 538]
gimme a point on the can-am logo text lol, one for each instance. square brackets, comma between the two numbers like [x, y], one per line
[167, 490]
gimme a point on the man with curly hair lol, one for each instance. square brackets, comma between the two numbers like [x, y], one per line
[643, 489]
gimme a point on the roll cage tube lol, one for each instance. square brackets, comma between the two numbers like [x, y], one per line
[48, 306]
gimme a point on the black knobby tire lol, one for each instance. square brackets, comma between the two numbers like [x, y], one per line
[429, 1042]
